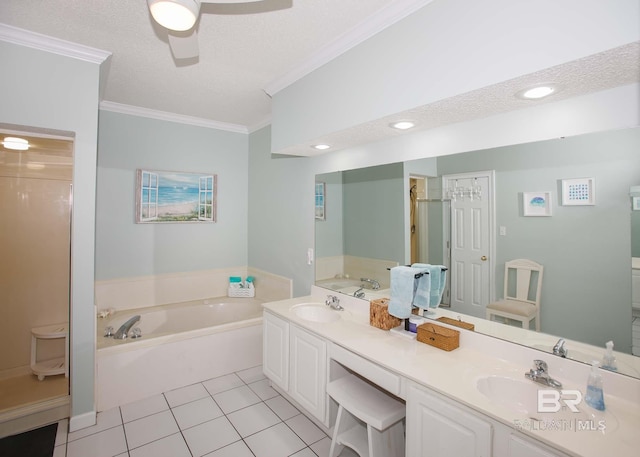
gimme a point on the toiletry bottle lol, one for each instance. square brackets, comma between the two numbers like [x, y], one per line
[594, 396]
[249, 282]
[609, 360]
[235, 282]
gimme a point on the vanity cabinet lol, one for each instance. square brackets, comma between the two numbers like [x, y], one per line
[296, 361]
[437, 427]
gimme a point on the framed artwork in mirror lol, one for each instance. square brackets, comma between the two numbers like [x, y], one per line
[578, 192]
[168, 196]
[636, 204]
[536, 203]
[320, 201]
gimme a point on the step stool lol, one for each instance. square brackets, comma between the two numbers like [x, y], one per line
[369, 421]
[54, 366]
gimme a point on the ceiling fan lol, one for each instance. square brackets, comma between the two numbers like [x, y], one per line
[179, 18]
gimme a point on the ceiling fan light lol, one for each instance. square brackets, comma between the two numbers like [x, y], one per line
[178, 15]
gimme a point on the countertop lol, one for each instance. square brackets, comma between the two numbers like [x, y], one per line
[455, 374]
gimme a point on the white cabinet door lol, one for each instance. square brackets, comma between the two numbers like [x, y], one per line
[275, 350]
[437, 428]
[307, 377]
[520, 447]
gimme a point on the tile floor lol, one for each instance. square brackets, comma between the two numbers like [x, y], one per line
[237, 415]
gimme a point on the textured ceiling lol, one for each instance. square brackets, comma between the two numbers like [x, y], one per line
[241, 52]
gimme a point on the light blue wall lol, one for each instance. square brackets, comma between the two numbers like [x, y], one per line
[586, 251]
[281, 212]
[126, 249]
[329, 233]
[437, 53]
[45, 90]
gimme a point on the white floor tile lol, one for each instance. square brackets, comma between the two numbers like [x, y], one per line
[150, 428]
[196, 412]
[252, 374]
[235, 399]
[103, 444]
[276, 441]
[186, 394]
[142, 408]
[322, 447]
[237, 449]
[217, 385]
[306, 452]
[170, 446]
[252, 419]
[305, 429]
[60, 451]
[61, 432]
[210, 436]
[263, 389]
[104, 420]
[282, 407]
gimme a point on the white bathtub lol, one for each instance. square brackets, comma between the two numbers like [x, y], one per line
[181, 344]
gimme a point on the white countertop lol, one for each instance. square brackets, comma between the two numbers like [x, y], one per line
[454, 374]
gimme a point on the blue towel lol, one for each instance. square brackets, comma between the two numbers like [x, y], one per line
[437, 279]
[402, 291]
[422, 297]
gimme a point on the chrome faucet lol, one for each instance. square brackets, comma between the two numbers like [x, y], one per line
[359, 293]
[375, 285]
[559, 348]
[123, 331]
[540, 375]
[333, 302]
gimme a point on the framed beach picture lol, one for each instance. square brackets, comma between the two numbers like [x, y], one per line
[536, 203]
[320, 201]
[168, 196]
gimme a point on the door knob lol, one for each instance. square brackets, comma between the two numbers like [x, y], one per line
[483, 258]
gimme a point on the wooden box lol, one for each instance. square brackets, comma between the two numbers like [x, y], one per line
[379, 315]
[438, 336]
[457, 323]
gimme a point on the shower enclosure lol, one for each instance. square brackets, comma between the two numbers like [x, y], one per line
[35, 245]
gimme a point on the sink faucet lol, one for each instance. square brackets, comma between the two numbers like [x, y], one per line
[359, 293]
[123, 331]
[559, 348]
[540, 375]
[375, 285]
[333, 302]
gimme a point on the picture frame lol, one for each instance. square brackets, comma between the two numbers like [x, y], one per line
[536, 203]
[320, 195]
[635, 203]
[578, 192]
[175, 197]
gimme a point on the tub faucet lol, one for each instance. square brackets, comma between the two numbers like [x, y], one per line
[540, 375]
[123, 331]
[559, 348]
[375, 285]
[359, 293]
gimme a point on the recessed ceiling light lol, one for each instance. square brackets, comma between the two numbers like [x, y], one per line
[535, 93]
[321, 147]
[15, 143]
[402, 125]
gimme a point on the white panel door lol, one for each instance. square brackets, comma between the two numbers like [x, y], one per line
[308, 371]
[471, 264]
[436, 428]
[275, 350]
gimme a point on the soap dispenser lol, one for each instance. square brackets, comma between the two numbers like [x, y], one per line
[609, 360]
[595, 395]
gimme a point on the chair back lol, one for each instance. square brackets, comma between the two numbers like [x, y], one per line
[519, 286]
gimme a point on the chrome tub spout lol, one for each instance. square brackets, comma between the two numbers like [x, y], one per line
[123, 331]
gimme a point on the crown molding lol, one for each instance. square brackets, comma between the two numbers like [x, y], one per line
[393, 13]
[42, 42]
[171, 117]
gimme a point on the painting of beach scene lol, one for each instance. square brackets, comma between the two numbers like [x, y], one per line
[165, 196]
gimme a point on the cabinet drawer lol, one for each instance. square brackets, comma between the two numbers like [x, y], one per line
[369, 370]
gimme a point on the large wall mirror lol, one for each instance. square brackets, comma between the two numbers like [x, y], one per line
[400, 213]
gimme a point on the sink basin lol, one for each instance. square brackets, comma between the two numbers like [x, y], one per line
[521, 396]
[316, 312]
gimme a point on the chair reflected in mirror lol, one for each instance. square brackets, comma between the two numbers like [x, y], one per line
[522, 286]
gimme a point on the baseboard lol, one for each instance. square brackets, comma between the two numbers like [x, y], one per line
[82, 421]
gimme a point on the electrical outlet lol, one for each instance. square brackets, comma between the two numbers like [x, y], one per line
[503, 230]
